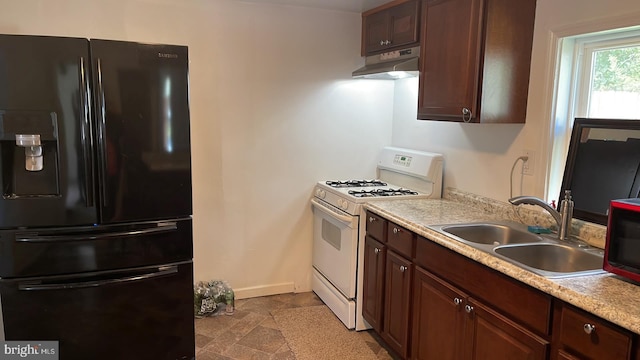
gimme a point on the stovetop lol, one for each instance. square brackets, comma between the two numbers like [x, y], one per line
[355, 183]
[357, 189]
[381, 192]
[349, 195]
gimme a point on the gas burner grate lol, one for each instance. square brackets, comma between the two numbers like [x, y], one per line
[381, 192]
[355, 183]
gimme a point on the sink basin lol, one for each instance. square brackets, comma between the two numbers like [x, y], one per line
[550, 257]
[491, 234]
[541, 254]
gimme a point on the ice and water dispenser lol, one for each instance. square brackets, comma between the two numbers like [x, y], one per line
[29, 154]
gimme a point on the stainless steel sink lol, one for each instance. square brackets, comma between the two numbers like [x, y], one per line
[493, 234]
[555, 258]
[540, 254]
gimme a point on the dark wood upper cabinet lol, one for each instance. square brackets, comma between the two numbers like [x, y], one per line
[390, 27]
[475, 60]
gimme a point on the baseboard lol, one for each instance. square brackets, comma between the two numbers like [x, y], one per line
[264, 290]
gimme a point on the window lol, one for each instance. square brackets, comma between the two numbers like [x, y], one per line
[599, 77]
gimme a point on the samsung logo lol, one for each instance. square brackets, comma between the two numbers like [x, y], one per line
[167, 56]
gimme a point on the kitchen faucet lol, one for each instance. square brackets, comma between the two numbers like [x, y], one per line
[563, 218]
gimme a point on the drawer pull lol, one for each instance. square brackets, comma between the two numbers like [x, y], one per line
[457, 301]
[589, 328]
[396, 230]
[468, 309]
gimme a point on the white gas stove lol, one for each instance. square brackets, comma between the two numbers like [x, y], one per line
[339, 224]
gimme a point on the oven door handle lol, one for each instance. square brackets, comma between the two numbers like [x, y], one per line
[334, 213]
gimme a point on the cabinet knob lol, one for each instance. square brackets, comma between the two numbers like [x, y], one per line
[381, 42]
[377, 251]
[402, 268]
[371, 219]
[468, 309]
[466, 115]
[387, 42]
[396, 230]
[589, 328]
[457, 301]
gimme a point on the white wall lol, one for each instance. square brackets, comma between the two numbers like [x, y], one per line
[273, 110]
[479, 157]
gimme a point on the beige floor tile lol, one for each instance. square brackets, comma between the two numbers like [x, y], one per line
[252, 333]
[247, 323]
[241, 352]
[202, 340]
[264, 339]
[214, 325]
[205, 355]
[223, 342]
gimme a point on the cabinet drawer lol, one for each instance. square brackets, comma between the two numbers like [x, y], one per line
[401, 240]
[376, 226]
[603, 341]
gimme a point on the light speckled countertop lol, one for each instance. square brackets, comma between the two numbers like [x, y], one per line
[605, 295]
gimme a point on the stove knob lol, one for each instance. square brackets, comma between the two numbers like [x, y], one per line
[345, 204]
[339, 202]
[321, 193]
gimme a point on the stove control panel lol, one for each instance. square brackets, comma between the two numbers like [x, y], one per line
[402, 160]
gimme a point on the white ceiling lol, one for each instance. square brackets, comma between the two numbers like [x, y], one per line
[340, 5]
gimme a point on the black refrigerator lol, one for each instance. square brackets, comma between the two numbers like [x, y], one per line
[95, 215]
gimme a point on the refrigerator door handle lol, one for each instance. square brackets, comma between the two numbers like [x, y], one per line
[86, 133]
[160, 271]
[36, 238]
[102, 153]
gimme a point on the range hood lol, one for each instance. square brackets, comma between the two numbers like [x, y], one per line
[390, 66]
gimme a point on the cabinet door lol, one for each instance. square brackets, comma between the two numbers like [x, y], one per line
[375, 32]
[492, 336]
[438, 318]
[396, 303]
[403, 24]
[449, 59]
[373, 282]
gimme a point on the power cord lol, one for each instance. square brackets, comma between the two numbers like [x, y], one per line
[524, 159]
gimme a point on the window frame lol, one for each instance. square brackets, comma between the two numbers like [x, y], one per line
[573, 80]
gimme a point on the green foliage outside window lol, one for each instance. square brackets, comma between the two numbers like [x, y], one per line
[617, 70]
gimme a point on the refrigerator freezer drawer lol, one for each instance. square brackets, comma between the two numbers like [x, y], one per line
[106, 315]
[41, 252]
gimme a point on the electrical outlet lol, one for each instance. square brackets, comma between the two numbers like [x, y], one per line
[529, 165]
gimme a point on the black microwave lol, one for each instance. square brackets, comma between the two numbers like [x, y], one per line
[622, 250]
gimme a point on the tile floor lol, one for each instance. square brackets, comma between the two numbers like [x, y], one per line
[251, 332]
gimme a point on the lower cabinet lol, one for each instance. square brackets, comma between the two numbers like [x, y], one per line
[397, 302]
[373, 282]
[490, 335]
[438, 318]
[429, 302]
[580, 335]
[448, 324]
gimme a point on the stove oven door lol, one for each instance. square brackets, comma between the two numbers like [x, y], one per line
[335, 247]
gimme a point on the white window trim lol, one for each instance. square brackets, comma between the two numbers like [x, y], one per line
[585, 48]
[572, 83]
